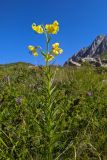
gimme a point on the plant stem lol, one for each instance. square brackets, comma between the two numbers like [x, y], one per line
[49, 120]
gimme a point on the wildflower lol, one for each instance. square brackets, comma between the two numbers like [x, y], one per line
[55, 49]
[19, 100]
[35, 54]
[56, 23]
[52, 28]
[33, 50]
[89, 94]
[49, 57]
[37, 29]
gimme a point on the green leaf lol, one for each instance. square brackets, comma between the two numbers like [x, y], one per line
[43, 53]
[3, 142]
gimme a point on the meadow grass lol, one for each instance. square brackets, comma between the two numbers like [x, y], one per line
[78, 126]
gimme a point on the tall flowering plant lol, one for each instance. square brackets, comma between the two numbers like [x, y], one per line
[47, 30]
[48, 55]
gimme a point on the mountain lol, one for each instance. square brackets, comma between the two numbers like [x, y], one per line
[98, 49]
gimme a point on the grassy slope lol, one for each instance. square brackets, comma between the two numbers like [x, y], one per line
[81, 98]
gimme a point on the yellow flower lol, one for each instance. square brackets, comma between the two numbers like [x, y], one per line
[37, 29]
[55, 49]
[60, 50]
[49, 57]
[35, 53]
[55, 45]
[56, 23]
[33, 50]
[52, 28]
[55, 52]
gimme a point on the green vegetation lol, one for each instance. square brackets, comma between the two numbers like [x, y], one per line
[79, 119]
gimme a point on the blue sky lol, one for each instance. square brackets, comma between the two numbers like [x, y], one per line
[80, 22]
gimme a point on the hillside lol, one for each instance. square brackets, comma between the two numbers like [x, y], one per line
[81, 112]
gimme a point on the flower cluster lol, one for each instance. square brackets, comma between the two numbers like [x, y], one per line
[33, 49]
[38, 28]
[47, 30]
[52, 28]
[55, 49]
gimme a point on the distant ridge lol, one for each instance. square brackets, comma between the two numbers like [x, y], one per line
[16, 63]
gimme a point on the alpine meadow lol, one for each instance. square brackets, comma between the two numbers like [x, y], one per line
[53, 112]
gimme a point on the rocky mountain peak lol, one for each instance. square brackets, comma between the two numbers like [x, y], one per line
[95, 50]
[100, 37]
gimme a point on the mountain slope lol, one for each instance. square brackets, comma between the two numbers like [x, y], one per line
[95, 50]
